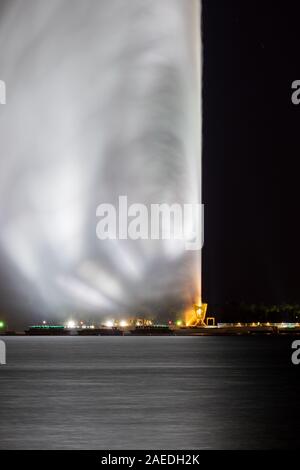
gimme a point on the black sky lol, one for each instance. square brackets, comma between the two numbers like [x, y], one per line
[251, 151]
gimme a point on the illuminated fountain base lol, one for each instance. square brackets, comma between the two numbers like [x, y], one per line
[197, 316]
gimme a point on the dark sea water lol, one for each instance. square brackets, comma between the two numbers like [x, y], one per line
[149, 393]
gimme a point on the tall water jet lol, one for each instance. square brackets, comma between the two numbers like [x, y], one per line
[103, 100]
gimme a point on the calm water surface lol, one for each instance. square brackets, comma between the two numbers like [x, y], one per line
[151, 393]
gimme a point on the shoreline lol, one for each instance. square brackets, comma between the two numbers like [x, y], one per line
[230, 330]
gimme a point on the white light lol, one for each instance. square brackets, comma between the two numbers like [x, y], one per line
[44, 322]
[71, 324]
[109, 324]
[123, 323]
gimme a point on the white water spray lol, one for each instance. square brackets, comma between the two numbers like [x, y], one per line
[103, 99]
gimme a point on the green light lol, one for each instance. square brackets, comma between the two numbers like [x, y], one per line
[48, 327]
[179, 323]
[1, 324]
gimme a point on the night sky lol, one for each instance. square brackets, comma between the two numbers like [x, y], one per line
[251, 151]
